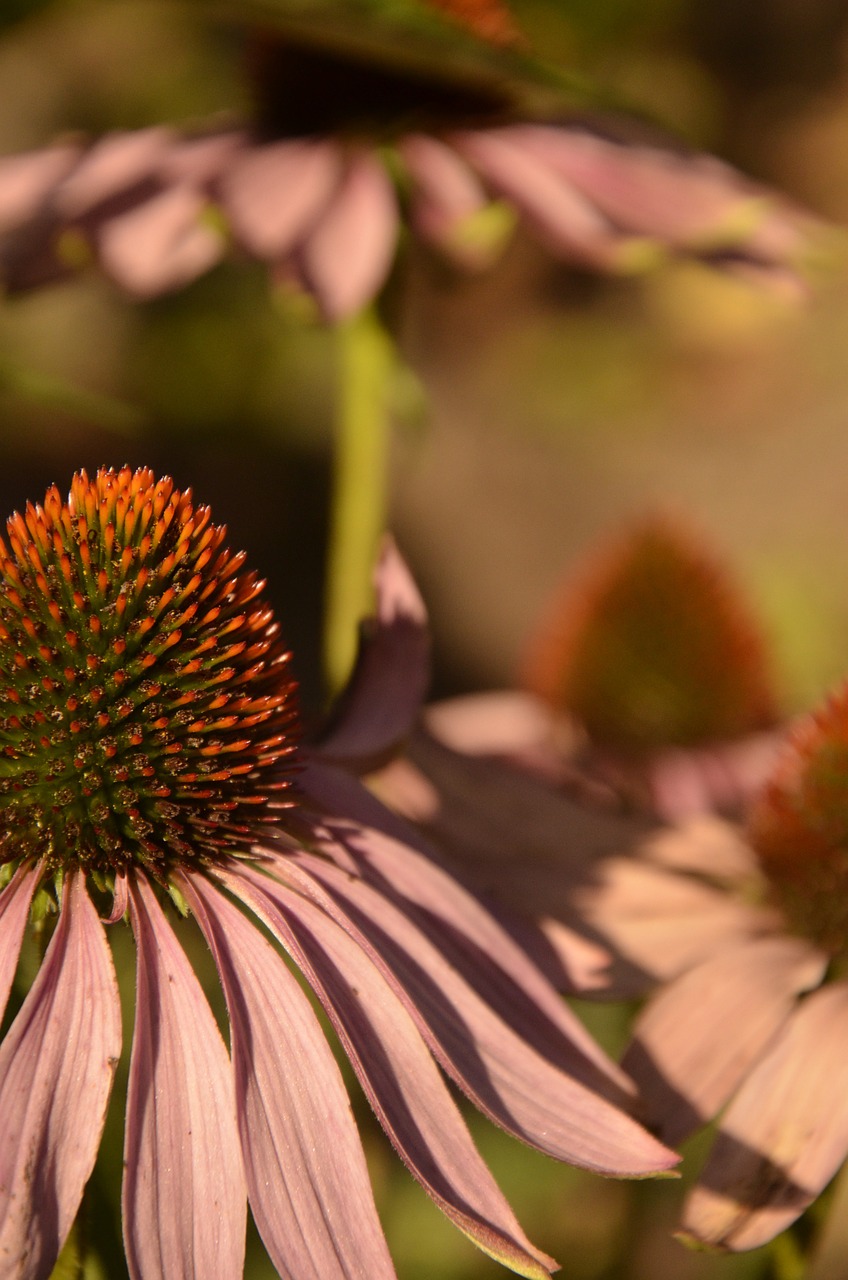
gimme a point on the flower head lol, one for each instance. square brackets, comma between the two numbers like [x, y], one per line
[451, 129]
[147, 753]
[737, 933]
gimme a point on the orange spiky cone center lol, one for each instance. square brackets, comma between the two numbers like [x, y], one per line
[651, 646]
[799, 826]
[146, 709]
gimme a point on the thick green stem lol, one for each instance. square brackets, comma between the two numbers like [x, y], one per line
[360, 481]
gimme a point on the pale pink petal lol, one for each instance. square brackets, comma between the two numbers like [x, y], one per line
[723, 777]
[696, 1041]
[14, 913]
[396, 1070]
[273, 194]
[184, 1201]
[569, 224]
[160, 244]
[705, 846]
[200, 161]
[27, 180]
[112, 167]
[393, 857]
[691, 200]
[346, 257]
[783, 1136]
[508, 722]
[386, 690]
[308, 1182]
[446, 194]
[661, 924]
[120, 900]
[536, 1093]
[57, 1063]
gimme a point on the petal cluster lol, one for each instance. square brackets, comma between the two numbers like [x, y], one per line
[157, 208]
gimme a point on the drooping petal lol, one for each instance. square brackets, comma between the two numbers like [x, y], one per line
[159, 245]
[307, 1178]
[446, 195]
[570, 224]
[57, 1063]
[273, 194]
[395, 861]
[27, 180]
[690, 200]
[696, 1041]
[396, 1070]
[184, 1201]
[783, 1136]
[379, 706]
[347, 256]
[14, 912]
[111, 169]
[661, 924]
[706, 846]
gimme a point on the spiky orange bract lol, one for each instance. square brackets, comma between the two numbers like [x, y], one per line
[145, 700]
[652, 646]
[799, 825]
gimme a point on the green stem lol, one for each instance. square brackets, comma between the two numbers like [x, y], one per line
[360, 483]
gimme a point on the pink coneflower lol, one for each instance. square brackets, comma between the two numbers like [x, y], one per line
[346, 148]
[739, 933]
[150, 761]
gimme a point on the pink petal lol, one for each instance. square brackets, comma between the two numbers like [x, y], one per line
[347, 255]
[159, 245]
[273, 194]
[200, 160]
[111, 168]
[307, 1178]
[385, 693]
[26, 182]
[569, 224]
[707, 847]
[396, 1070]
[507, 722]
[14, 913]
[696, 1041]
[446, 194]
[56, 1068]
[784, 1135]
[184, 1202]
[661, 924]
[688, 200]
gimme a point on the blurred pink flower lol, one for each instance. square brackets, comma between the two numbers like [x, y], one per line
[323, 206]
[741, 934]
[149, 750]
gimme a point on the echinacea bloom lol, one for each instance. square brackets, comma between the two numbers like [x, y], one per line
[739, 935]
[655, 652]
[319, 184]
[150, 753]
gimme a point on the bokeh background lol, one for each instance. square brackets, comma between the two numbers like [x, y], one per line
[541, 408]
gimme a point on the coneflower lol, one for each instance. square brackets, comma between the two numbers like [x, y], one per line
[149, 763]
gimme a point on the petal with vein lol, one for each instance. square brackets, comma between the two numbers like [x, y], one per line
[783, 1136]
[307, 1178]
[184, 1202]
[111, 168]
[397, 1072]
[27, 180]
[57, 1063]
[378, 708]
[697, 1040]
[14, 913]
